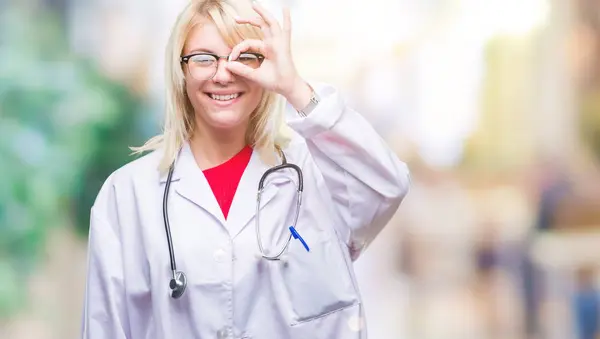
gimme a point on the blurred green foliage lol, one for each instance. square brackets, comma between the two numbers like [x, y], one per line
[64, 128]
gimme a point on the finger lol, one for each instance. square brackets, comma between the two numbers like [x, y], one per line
[266, 16]
[252, 45]
[256, 22]
[242, 70]
[287, 23]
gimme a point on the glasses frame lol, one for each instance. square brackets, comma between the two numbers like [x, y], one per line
[186, 58]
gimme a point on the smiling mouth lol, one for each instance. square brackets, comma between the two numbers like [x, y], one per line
[224, 97]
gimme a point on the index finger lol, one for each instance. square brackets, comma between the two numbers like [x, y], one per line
[245, 46]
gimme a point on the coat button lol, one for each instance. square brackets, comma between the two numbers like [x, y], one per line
[220, 255]
[356, 324]
[223, 334]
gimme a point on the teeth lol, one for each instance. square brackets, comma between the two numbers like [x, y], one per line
[224, 97]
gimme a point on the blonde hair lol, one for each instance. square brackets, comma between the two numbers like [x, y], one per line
[267, 129]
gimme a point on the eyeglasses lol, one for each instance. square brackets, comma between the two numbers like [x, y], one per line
[203, 66]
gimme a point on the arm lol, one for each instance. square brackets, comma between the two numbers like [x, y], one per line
[366, 180]
[104, 315]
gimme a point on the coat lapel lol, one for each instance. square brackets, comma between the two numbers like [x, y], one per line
[243, 207]
[192, 184]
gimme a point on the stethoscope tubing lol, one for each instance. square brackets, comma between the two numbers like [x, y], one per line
[178, 282]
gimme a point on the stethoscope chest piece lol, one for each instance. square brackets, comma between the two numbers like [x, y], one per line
[178, 284]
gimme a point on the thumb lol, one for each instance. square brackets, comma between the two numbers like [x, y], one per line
[242, 70]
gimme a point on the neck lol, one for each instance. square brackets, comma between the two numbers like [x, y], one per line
[212, 147]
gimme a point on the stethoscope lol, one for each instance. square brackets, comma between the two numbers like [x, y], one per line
[178, 281]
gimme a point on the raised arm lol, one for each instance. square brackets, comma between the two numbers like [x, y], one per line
[366, 180]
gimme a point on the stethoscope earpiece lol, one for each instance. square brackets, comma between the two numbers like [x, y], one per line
[178, 285]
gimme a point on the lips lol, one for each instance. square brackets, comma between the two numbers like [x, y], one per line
[223, 96]
[224, 99]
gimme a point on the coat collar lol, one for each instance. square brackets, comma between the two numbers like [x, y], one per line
[190, 183]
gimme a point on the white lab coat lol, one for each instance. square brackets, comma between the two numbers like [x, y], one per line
[353, 184]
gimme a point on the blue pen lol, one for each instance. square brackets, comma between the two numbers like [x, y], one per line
[296, 235]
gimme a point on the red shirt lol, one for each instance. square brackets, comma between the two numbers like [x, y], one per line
[224, 179]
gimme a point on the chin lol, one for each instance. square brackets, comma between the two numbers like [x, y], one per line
[226, 110]
[226, 119]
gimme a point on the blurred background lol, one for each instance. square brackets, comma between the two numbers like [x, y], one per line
[495, 106]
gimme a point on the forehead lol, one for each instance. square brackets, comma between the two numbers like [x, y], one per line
[206, 36]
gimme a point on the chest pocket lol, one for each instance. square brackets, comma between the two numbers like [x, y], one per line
[316, 283]
[310, 284]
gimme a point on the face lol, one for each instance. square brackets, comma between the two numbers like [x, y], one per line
[224, 101]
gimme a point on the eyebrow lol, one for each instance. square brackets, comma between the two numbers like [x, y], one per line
[200, 50]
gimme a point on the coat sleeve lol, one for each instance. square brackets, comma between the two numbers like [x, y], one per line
[104, 314]
[365, 179]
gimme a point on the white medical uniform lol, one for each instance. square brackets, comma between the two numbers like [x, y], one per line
[353, 184]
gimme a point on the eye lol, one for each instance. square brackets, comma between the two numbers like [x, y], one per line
[203, 59]
[247, 57]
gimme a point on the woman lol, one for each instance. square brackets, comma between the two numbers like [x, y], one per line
[229, 273]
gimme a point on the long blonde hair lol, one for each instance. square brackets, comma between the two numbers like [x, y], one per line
[267, 127]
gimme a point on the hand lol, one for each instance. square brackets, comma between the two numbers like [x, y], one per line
[277, 72]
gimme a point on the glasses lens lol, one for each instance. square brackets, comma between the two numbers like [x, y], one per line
[250, 60]
[202, 66]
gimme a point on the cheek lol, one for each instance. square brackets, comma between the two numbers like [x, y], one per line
[194, 92]
[254, 99]
[190, 93]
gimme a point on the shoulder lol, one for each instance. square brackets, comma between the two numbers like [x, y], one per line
[295, 148]
[143, 168]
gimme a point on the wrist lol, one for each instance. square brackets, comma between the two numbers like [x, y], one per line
[299, 95]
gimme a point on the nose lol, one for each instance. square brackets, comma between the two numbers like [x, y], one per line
[222, 76]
